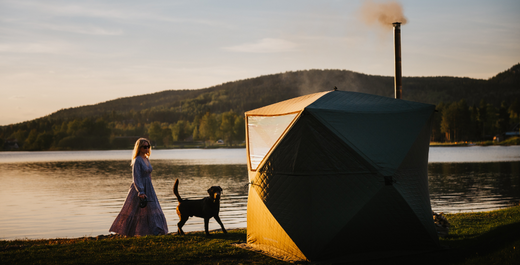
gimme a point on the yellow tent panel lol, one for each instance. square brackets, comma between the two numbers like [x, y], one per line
[266, 234]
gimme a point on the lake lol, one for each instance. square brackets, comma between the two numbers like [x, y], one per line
[69, 194]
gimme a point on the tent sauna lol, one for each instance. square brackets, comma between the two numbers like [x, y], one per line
[339, 174]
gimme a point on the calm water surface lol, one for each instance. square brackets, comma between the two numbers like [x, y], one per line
[79, 193]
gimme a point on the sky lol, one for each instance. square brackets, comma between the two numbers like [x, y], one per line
[57, 54]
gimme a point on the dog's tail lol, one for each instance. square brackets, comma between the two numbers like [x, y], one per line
[176, 190]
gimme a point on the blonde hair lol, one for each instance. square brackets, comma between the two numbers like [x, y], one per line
[137, 148]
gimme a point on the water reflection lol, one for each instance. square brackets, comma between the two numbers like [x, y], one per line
[463, 187]
[82, 198]
[73, 199]
[473, 154]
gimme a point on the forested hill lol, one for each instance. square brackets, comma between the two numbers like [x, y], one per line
[468, 109]
[255, 92]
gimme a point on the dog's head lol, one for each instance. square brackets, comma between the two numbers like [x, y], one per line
[214, 193]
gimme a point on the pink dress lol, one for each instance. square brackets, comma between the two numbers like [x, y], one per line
[134, 220]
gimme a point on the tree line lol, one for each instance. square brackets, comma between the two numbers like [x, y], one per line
[177, 117]
[453, 122]
[457, 121]
[101, 133]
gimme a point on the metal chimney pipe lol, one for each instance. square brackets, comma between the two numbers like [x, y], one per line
[398, 79]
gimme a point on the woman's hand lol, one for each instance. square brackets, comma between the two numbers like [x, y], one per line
[142, 196]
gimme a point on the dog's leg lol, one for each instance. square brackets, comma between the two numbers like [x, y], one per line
[217, 218]
[180, 224]
[206, 225]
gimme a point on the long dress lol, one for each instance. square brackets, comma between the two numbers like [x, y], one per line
[134, 220]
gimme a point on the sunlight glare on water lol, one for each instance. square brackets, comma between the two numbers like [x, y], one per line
[79, 193]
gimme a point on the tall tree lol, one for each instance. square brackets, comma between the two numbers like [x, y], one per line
[43, 141]
[456, 121]
[463, 124]
[448, 121]
[208, 127]
[437, 135]
[226, 127]
[503, 118]
[31, 138]
[180, 130]
[166, 134]
[514, 111]
[155, 133]
[482, 118]
[239, 128]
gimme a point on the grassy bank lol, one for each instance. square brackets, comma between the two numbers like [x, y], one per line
[510, 141]
[475, 238]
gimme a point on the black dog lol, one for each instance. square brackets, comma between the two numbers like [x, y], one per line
[205, 208]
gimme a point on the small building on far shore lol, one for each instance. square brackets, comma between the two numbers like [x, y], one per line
[11, 144]
[514, 132]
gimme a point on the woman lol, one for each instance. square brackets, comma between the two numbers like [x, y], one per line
[134, 220]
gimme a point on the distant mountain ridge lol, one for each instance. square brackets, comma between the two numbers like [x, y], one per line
[468, 109]
[247, 94]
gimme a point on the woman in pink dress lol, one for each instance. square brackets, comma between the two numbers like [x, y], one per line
[135, 220]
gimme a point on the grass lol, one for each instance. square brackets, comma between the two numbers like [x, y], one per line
[510, 141]
[485, 237]
[193, 248]
[475, 238]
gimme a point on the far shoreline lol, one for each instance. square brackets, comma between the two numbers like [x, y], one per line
[510, 142]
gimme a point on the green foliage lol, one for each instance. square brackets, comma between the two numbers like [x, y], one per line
[180, 130]
[166, 134]
[155, 133]
[208, 127]
[20, 135]
[238, 128]
[227, 126]
[473, 110]
[43, 141]
[503, 120]
[160, 133]
[455, 121]
[511, 141]
[240, 96]
[514, 111]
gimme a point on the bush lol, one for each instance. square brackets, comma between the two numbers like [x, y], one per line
[83, 143]
[511, 141]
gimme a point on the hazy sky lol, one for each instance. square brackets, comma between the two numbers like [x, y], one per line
[58, 54]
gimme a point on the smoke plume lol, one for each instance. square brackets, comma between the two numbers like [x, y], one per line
[382, 15]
